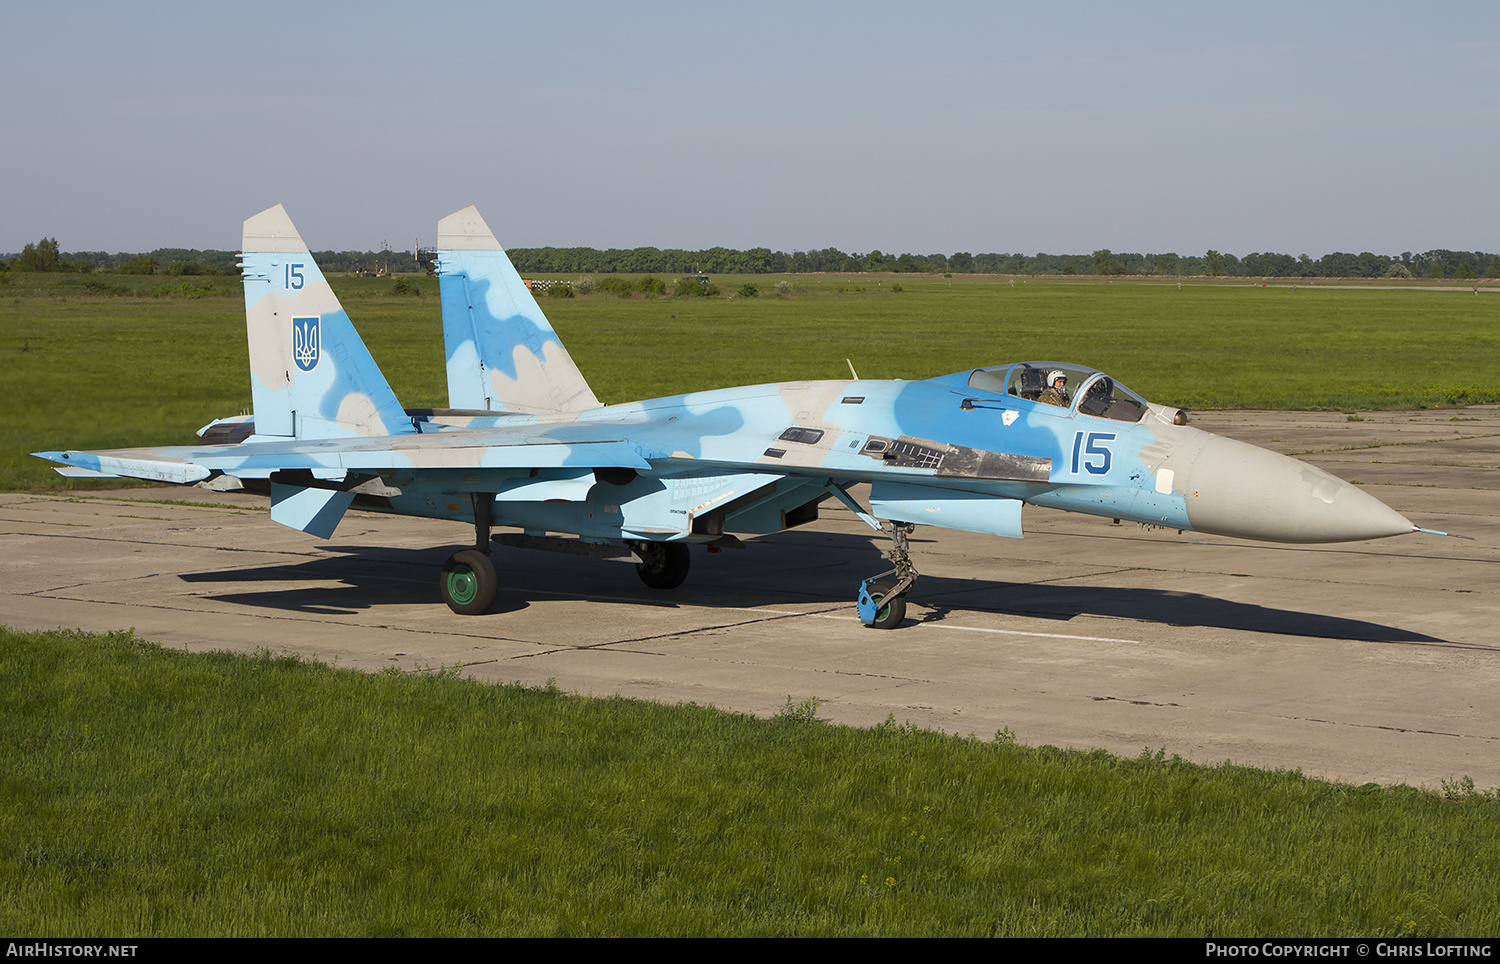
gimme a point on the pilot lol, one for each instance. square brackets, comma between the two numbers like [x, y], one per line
[1056, 392]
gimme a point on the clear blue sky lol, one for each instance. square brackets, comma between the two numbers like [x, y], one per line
[1015, 127]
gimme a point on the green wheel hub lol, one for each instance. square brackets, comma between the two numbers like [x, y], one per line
[463, 585]
[468, 582]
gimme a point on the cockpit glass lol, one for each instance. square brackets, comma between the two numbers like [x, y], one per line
[1106, 398]
[1063, 385]
[987, 380]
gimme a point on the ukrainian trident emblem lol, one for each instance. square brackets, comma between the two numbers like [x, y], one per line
[305, 342]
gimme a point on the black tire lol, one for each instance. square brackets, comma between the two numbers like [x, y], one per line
[469, 582]
[890, 611]
[663, 565]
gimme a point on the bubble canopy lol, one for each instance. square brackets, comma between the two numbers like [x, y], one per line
[1085, 390]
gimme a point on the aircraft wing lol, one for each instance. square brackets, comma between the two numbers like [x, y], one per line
[514, 448]
[312, 482]
[732, 461]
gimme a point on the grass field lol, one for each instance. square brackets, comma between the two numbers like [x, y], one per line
[95, 361]
[152, 792]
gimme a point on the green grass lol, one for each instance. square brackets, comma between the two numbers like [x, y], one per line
[153, 792]
[83, 369]
[1204, 346]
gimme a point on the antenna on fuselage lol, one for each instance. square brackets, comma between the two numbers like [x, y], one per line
[854, 374]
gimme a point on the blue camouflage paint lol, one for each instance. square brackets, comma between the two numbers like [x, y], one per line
[311, 375]
[493, 321]
[502, 353]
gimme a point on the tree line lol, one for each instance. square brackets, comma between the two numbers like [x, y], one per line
[45, 256]
[1439, 263]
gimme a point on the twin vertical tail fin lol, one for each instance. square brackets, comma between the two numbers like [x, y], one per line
[503, 354]
[311, 376]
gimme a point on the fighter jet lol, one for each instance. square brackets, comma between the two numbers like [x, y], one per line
[527, 448]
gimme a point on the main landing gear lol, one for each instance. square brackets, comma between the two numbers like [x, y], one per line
[469, 582]
[663, 565]
[882, 601]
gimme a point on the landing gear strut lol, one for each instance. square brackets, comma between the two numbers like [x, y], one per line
[469, 582]
[882, 602]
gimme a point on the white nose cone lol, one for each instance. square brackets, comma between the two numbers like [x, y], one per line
[1236, 489]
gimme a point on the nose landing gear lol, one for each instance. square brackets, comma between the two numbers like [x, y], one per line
[882, 601]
